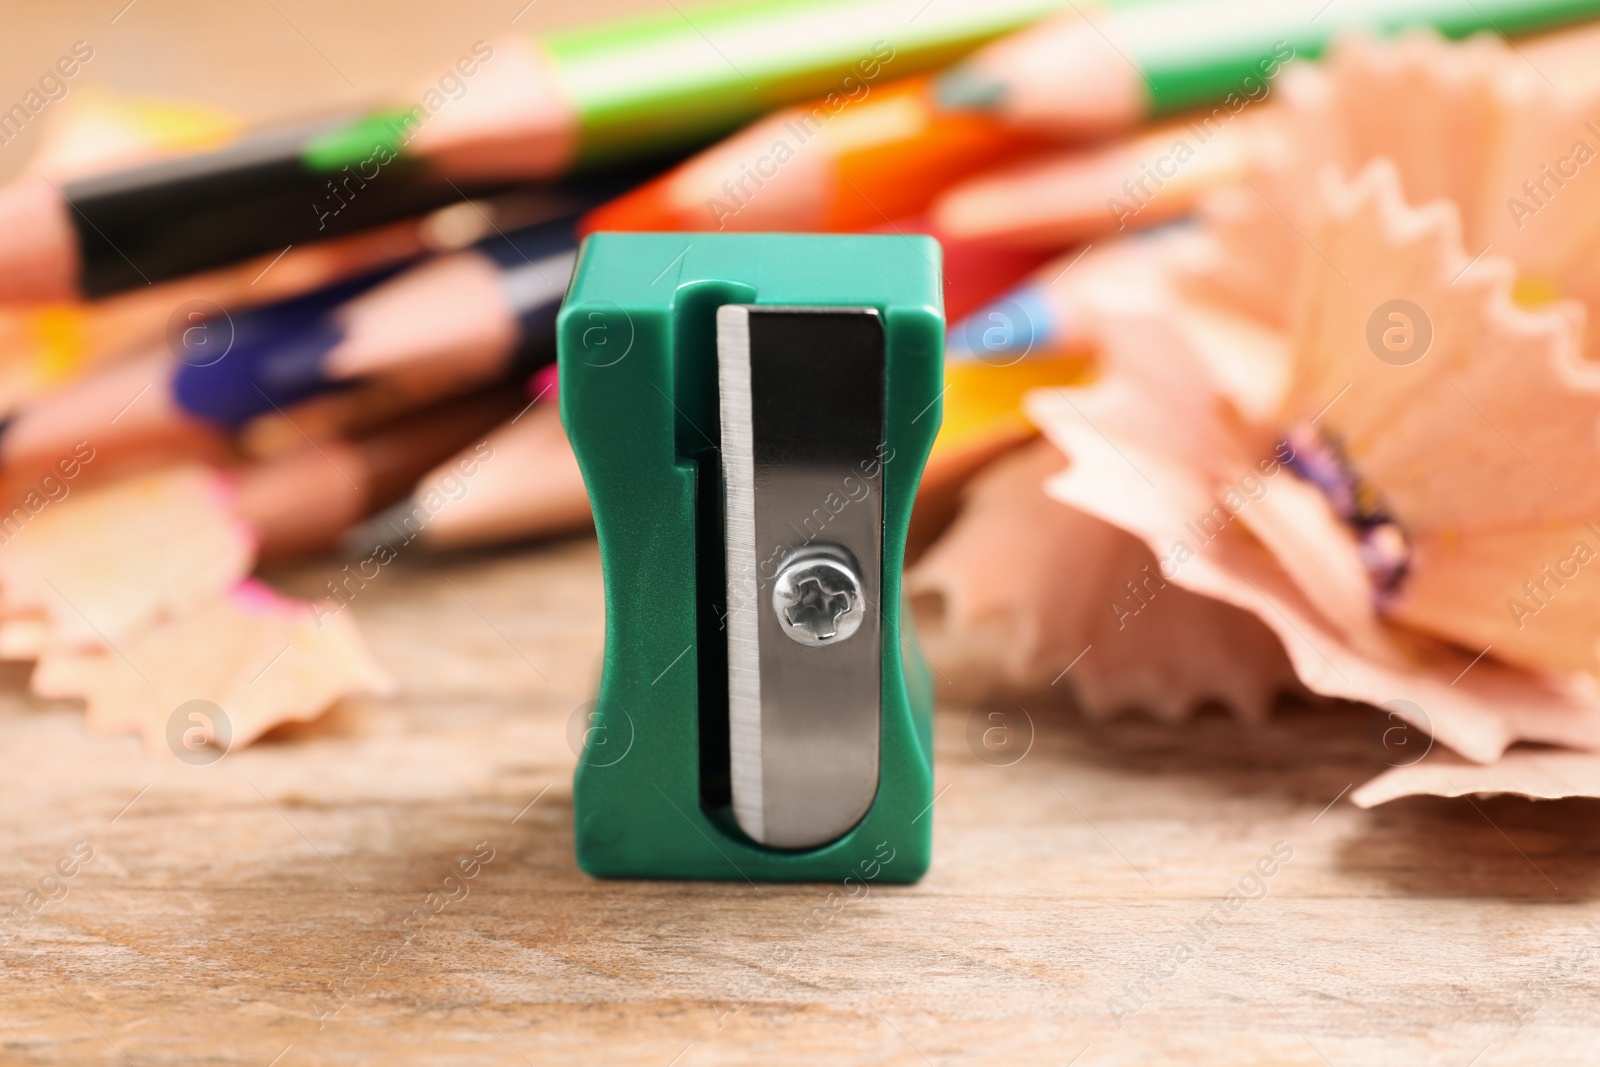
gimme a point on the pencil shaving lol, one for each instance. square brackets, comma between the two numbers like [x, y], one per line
[1023, 595]
[1472, 124]
[261, 658]
[1161, 451]
[1543, 774]
[134, 597]
[1411, 526]
[100, 564]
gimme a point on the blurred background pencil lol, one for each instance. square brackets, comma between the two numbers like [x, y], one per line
[873, 163]
[521, 483]
[508, 112]
[301, 502]
[881, 154]
[1071, 197]
[448, 324]
[1092, 72]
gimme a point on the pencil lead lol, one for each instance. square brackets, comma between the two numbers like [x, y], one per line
[385, 529]
[962, 89]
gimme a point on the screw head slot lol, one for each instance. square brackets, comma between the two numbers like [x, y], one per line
[817, 595]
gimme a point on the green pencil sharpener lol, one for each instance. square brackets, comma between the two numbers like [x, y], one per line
[751, 413]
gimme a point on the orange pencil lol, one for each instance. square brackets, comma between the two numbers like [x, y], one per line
[878, 156]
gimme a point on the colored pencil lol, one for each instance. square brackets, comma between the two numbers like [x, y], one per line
[448, 324]
[301, 502]
[1092, 72]
[522, 483]
[513, 111]
[1083, 194]
[880, 157]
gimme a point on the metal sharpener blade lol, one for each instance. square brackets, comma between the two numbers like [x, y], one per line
[802, 397]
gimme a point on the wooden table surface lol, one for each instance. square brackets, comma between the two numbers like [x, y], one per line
[225, 904]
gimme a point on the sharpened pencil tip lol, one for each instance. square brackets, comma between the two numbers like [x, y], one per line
[387, 528]
[966, 89]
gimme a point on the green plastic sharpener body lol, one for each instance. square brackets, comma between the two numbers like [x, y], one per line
[638, 337]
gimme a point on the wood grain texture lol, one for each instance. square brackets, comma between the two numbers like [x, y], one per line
[225, 903]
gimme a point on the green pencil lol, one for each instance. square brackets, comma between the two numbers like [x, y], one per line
[511, 111]
[1093, 72]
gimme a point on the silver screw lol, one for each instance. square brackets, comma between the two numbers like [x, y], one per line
[817, 595]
